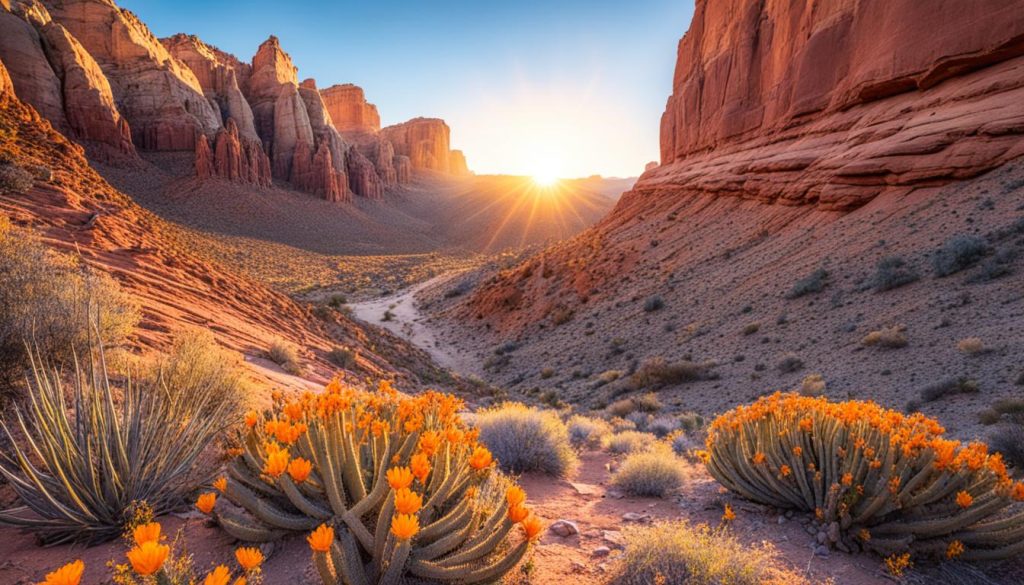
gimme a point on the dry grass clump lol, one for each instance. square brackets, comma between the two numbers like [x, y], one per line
[893, 272]
[342, 357]
[285, 355]
[649, 473]
[662, 426]
[196, 365]
[888, 337]
[948, 387]
[959, 253]
[812, 385]
[524, 439]
[648, 402]
[657, 372]
[790, 363]
[812, 283]
[680, 553]
[588, 432]
[620, 424]
[14, 179]
[630, 442]
[971, 346]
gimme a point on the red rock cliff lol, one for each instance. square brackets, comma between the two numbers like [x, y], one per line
[424, 140]
[833, 103]
[350, 110]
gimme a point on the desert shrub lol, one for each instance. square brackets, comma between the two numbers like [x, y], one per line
[885, 482]
[679, 553]
[657, 372]
[14, 179]
[561, 315]
[650, 473]
[83, 470]
[812, 283]
[690, 421]
[812, 385]
[1008, 440]
[751, 328]
[639, 419]
[971, 345]
[621, 408]
[662, 426]
[459, 289]
[893, 272]
[50, 301]
[653, 304]
[526, 439]
[959, 253]
[609, 376]
[1009, 406]
[342, 357]
[285, 355]
[630, 441]
[587, 432]
[620, 424]
[546, 373]
[648, 402]
[995, 266]
[790, 363]
[407, 485]
[195, 364]
[887, 337]
[948, 387]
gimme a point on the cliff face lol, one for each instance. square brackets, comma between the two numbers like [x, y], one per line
[424, 140]
[834, 103]
[350, 110]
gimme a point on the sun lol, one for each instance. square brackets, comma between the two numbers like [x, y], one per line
[544, 179]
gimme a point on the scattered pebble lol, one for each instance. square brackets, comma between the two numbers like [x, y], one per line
[601, 551]
[564, 528]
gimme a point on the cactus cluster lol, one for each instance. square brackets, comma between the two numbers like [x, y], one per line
[875, 479]
[384, 485]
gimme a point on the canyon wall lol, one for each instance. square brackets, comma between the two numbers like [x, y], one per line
[426, 141]
[834, 103]
[350, 110]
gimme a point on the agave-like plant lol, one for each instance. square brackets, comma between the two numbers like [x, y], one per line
[83, 462]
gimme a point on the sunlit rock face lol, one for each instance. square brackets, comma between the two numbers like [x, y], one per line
[349, 109]
[831, 105]
[457, 163]
[424, 140]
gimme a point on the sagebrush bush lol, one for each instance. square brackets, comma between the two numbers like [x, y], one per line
[285, 355]
[657, 372]
[620, 424]
[342, 357]
[790, 363]
[679, 443]
[82, 471]
[621, 408]
[888, 337]
[639, 419]
[51, 302]
[196, 364]
[971, 346]
[653, 304]
[662, 426]
[1008, 439]
[959, 253]
[690, 421]
[812, 283]
[630, 442]
[679, 553]
[587, 432]
[893, 272]
[526, 439]
[14, 179]
[948, 387]
[812, 385]
[874, 478]
[649, 473]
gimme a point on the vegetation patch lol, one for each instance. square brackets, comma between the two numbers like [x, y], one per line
[959, 253]
[526, 439]
[652, 473]
[893, 272]
[812, 283]
[657, 372]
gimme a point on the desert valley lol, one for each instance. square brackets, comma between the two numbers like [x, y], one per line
[251, 332]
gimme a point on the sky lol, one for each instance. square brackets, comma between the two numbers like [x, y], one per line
[568, 88]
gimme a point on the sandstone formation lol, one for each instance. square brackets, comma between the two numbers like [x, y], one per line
[350, 110]
[363, 176]
[424, 140]
[798, 104]
[35, 83]
[457, 163]
[6, 85]
[403, 169]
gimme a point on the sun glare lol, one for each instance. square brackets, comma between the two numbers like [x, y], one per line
[545, 179]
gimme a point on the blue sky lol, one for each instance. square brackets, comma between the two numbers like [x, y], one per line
[572, 87]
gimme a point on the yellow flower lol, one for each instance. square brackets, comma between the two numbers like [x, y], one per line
[533, 527]
[206, 502]
[147, 558]
[420, 467]
[276, 464]
[518, 513]
[399, 477]
[964, 499]
[248, 557]
[299, 469]
[515, 496]
[146, 533]
[897, 564]
[955, 549]
[219, 576]
[221, 484]
[69, 574]
[405, 526]
[407, 501]
[480, 459]
[729, 515]
[321, 539]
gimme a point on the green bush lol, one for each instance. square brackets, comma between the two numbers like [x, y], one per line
[526, 439]
[649, 473]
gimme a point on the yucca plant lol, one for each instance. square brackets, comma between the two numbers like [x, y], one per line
[388, 486]
[85, 461]
[875, 479]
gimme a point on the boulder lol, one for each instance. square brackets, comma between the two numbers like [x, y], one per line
[424, 140]
[349, 109]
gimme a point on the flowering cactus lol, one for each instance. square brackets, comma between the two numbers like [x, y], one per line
[383, 485]
[875, 479]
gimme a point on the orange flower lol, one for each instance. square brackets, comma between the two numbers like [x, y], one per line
[898, 564]
[147, 558]
[454, 436]
[515, 496]
[239, 581]
[1017, 492]
[206, 502]
[785, 471]
[399, 477]
[69, 574]
[955, 549]
[420, 467]
[806, 424]
[429, 442]
[798, 451]
[533, 527]
[728, 515]
[758, 458]
[147, 533]
[219, 576]
[251, 418]
[518, 513]
[221, 484]
[405, 526]
[407, 501]
[480, 459]
[864, 534]
[276, 463]
[293, 410]
[248, 557]
[321, 539]
[964, 499]
[299, 469]
[847, 479]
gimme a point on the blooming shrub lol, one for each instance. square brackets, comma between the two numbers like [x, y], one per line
[874, 478]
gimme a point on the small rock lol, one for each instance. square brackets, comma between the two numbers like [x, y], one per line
[578, 567]
[781, 520]
[601, 551]
[821, 551]
[833, 532]
[614, 537]
[564, 528]
[822, 537]
[789, 514]
[636, 517]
